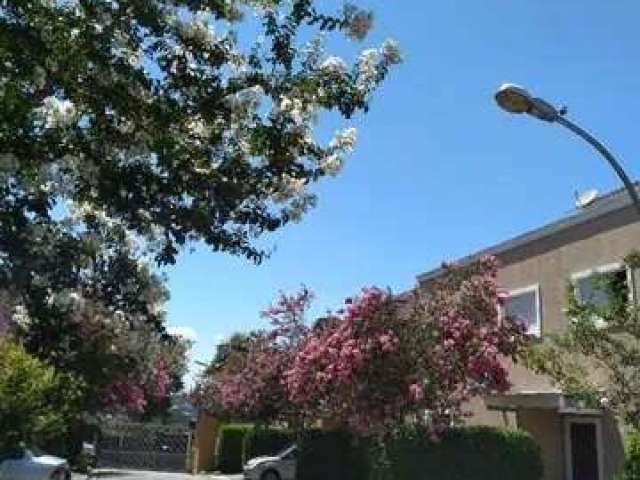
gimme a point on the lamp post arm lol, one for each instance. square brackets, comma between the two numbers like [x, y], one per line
[631, 189]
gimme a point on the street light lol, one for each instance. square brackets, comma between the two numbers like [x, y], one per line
[515, 99]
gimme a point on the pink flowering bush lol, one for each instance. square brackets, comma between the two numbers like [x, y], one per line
[157, 370]
[249, 383]
[347, 370]
[124, 394]
[381, 359]
[134, 394]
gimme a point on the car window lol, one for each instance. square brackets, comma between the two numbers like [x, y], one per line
[12, 454]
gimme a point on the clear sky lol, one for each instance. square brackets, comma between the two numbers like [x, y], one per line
[439, 171]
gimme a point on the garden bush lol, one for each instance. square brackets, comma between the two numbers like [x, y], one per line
[631, 469]
[230, 445]
[335, 455]
[37, 403]
[266, 441]
[473, 453]
[478, 453]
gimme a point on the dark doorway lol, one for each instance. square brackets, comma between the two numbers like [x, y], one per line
[584, 451]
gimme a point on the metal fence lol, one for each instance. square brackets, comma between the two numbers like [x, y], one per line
[144, 447]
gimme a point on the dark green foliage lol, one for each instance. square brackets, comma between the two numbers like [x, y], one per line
[335, 455]
[130, 130]
[631, 469]
[476, 453]
[266, 441]
[230, 445]
[37, 403]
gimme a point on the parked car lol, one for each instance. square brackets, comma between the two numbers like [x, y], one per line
[278, 467]
[29, 464]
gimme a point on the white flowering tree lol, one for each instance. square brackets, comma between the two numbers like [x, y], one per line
[152, 113]
[132, 128]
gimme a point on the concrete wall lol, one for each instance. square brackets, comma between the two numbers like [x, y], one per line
[204, 443]
[547, 429]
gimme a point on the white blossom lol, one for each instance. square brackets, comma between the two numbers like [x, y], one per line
[332, 164]
[334, 65]
[247, 98]
[20, 317]
[57, 113]
[289, 187]
[197, 128]
[367, 69]
[295, 108]
[198, 29]
[344, 140]
[391, 51]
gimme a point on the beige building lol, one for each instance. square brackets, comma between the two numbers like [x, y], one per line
[536, 267]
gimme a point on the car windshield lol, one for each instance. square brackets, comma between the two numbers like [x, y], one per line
[36, 452]
[288, 452]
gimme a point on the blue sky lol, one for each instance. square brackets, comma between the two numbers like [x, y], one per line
[439, 170]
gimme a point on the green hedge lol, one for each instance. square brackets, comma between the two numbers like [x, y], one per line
[478, 453]
[475, 453]
[631, 469]
[266, 441]
[332, 455]
[230, 445]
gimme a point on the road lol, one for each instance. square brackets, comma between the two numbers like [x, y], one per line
[138, 475]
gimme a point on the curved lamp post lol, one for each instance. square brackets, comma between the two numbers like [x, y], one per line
[515, 99]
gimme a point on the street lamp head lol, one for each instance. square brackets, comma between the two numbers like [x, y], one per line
[513, 98]
[516, 99]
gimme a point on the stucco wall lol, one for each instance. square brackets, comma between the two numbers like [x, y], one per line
[546, 428]
[550, 263]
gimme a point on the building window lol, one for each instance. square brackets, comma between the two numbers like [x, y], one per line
[523, 305]
[603, 285]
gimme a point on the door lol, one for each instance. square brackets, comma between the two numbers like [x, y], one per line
[583, 449]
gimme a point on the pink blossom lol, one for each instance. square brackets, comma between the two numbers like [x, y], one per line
[123, 394]
[367, 367]
[416, 393]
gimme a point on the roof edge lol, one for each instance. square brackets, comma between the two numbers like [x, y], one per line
[609, 203]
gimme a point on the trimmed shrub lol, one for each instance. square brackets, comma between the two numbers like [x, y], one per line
[631, 470]
[474, 453]
[334, 455]
[478, 453]
[266, 441]
[230, 444]
[37, 403]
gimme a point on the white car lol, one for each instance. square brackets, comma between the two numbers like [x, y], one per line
[279, 467]
[25, 464]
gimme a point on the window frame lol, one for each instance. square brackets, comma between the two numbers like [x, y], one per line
[514, 292]
[603, 270]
